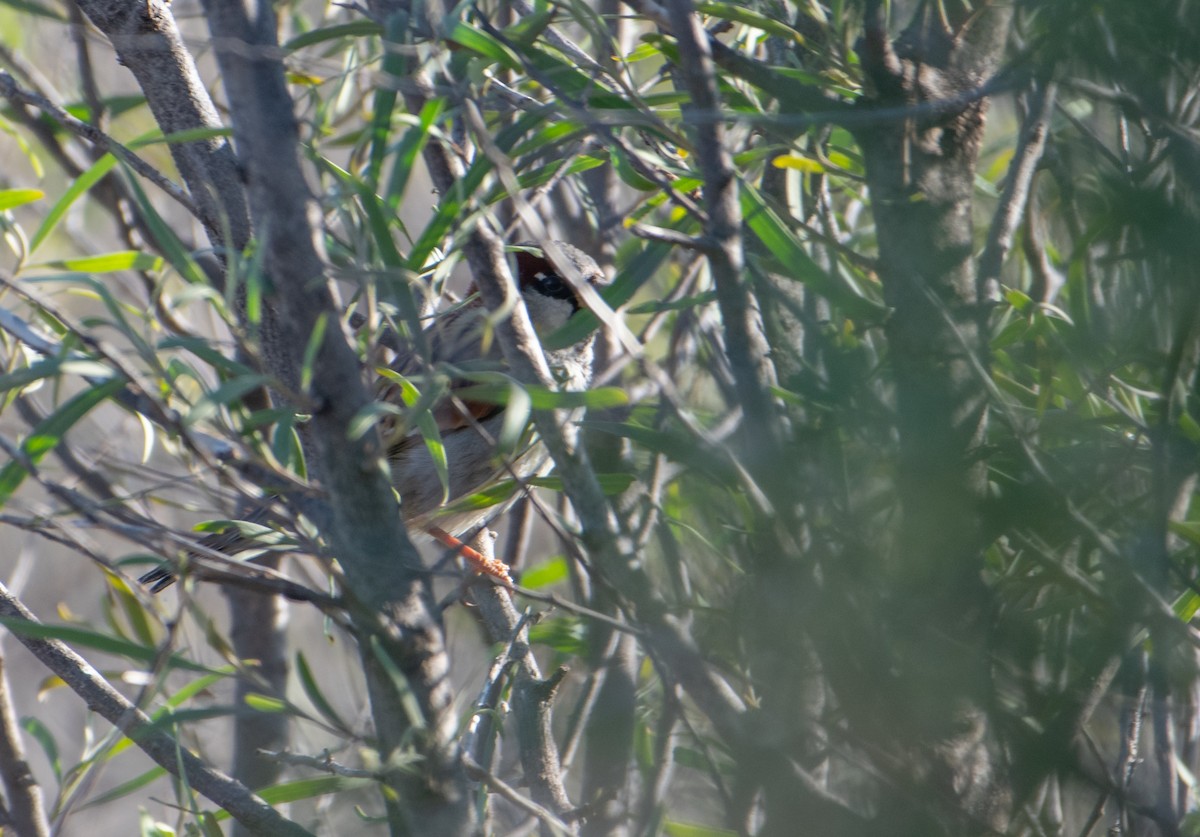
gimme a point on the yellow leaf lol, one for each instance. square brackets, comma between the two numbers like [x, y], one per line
[795, 161]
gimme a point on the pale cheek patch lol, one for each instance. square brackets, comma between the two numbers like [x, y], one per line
[547, 313]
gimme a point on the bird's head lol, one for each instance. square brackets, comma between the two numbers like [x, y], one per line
[549, 294]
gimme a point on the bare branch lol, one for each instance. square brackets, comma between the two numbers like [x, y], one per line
[531, 697]
[1016, 190]
[148, 42]
[324, 763]
[16, 94]
[381, 565]
[746, 343]
[110, 704]
[510, 793]
[25, 807]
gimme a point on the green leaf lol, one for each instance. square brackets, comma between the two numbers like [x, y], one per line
[224, 395]
[42, 735]
[313, 347]
[404, 159]
[674, 828]
[355, 29]
[674, 445]
[741, 14]
[125, 788]
[108, 263]
[393, 66]
[204, 350]
[475, 40]
[791, 259]
[315, 696]
[610, 484]
[26, 375]
[486, 498]
[134, 609]
[75, 635]
[565, 634]
[515, 418]
[546, 573]
[265, 703]
[12, 198]
[628, 174]
[166, 240]
[431, 435]
[81, 185]
[50, 431]
[35, 162]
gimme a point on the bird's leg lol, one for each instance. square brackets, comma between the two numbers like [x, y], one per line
[481, 563]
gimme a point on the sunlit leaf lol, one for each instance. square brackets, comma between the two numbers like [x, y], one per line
[12, 198]
[79, 187]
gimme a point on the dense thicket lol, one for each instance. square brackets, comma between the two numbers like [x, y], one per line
[880, 516]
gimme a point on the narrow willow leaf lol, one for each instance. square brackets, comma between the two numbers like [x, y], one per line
[355, 29]
[404, 159]
[42, 735]
[516, 418]
[224, 395]
[740, 14]
[484, 44]
[793, 260]
[265, 703]
[125, 788]
[12, 198]
[546, 573]
[108, 263]
[315, 696]
[26, 375]
[674, 828]
[81, 185]
[166, 240]
[609, 483]
[565, 634]
[134, 609]
[76, 635]
[46, 435]
[315, 341]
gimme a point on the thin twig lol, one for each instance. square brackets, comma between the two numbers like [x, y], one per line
[110, 704]
[498, 785]
[324, 763]
[15, 93]
[1016, 191]
[531, 695]
[25, 807]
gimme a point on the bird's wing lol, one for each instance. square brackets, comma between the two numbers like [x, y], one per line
[453, 340]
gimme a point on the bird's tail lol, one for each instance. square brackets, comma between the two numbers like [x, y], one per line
[237, 536]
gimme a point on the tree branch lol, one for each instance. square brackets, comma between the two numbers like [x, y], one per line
[148, 42]
[24, 795]
[1016, 190]
[381, 565]
[531, 693]
[746, 343]
[16, 94]
[102, 698]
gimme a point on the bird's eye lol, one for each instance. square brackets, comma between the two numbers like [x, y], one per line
[552, 285]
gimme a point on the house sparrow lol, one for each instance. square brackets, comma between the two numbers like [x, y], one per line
[469, 428]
